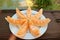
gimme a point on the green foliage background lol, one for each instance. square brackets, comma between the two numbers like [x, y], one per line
[42, 4]
[45, 4]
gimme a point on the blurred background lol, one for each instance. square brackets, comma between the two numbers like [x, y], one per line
[37, 4]
[51, 10]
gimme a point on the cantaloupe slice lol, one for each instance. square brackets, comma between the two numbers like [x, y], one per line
[41, 22]
[15, 22]
[19, 13]
[28, 13]
[38, 14]
[33, 29]
[22, 30]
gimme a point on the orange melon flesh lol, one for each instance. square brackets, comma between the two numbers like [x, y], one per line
[15, 22]
[29, 12]
[38, 14]
[19, 14]
[41, 22]
[33, 29]
[23, 30]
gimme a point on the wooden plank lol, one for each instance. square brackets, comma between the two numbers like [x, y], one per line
[53, 30]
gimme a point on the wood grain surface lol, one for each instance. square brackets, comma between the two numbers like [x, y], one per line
[52, 33]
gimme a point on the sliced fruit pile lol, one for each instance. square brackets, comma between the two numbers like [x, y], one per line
[28, 22]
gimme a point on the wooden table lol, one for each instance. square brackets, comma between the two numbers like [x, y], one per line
[52, 33]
